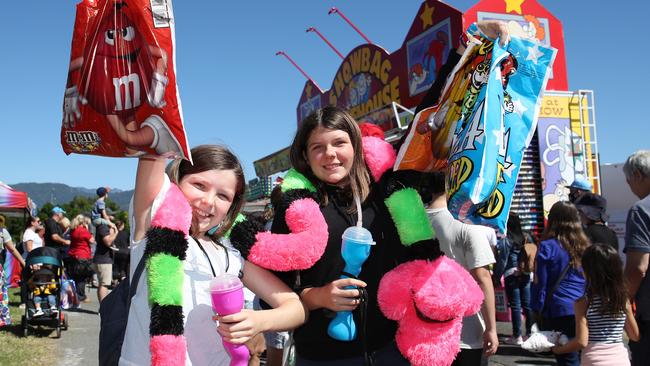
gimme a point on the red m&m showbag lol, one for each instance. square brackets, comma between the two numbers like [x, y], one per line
[121, 97]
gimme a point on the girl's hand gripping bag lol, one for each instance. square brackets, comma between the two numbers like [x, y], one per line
[121, 97]
[524, 74]
[472, 171]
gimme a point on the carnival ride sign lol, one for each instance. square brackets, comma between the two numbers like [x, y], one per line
[370, 80]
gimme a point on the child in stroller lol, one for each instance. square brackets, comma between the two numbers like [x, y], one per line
[43, 287]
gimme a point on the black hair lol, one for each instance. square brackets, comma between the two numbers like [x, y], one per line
[515, 234]
[604, 274]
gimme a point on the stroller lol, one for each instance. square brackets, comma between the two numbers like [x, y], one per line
[42, 277]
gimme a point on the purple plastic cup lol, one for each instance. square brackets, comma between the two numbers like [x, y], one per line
[227, 293]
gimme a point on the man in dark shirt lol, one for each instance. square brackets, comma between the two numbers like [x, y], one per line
[593, 211]
[103, 259]
[54, 232]
[121, 259]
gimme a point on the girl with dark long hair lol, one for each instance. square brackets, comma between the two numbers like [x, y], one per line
[603, 313]
[560, 281]
[327, 150]
[517, 283]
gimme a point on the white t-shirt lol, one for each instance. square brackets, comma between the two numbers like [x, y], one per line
[28, 235]
[5, 237]
[203, 342]
[469, 246]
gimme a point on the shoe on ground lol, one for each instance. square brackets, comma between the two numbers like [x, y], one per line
[515, 341]
[39, 312]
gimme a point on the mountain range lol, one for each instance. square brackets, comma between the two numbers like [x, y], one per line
[57, 193]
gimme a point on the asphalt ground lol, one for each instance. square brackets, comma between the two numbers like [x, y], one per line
[508, 355]
[79, 344]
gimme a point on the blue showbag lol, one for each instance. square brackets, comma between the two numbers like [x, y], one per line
[473, 163]
[525, 73]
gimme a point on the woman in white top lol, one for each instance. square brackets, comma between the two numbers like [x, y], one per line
[30, 239]
[213, 186]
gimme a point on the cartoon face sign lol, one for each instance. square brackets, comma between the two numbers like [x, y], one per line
[359, 89]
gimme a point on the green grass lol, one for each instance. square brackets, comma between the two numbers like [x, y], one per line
[37, 348]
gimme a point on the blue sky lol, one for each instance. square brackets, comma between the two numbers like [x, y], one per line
[235, 90]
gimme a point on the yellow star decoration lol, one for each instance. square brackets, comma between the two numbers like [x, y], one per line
[308, 90]
[427, 15]
[514, 5]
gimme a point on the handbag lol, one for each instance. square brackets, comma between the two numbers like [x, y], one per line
[114, 312]
[79, 267]
[540, 317]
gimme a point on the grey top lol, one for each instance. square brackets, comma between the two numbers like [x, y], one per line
[637, 239]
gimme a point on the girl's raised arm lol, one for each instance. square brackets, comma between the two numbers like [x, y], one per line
[148, 182]
[631, 327]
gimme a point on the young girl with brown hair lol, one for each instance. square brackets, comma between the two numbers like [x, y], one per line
[560, 281]
[603, 313]
[179, 222]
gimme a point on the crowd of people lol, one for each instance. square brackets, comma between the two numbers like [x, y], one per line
[85, 262]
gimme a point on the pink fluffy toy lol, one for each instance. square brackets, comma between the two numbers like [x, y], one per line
[429, 299]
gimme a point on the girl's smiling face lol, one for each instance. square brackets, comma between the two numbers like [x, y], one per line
[330, 154]
[210, 194]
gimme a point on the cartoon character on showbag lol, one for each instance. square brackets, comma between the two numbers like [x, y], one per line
[118, 73]
[522, 97]
[473, 161]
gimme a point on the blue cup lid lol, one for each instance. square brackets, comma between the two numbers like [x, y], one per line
[358, 234]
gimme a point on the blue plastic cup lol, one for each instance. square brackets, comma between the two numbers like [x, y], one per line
[355, 249]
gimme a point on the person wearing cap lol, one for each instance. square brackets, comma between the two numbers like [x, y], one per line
[637, 250]
[579, 187]
[54, 232]
[593, 213]
[99, 214]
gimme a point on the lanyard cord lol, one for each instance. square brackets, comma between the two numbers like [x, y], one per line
[214, 274]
